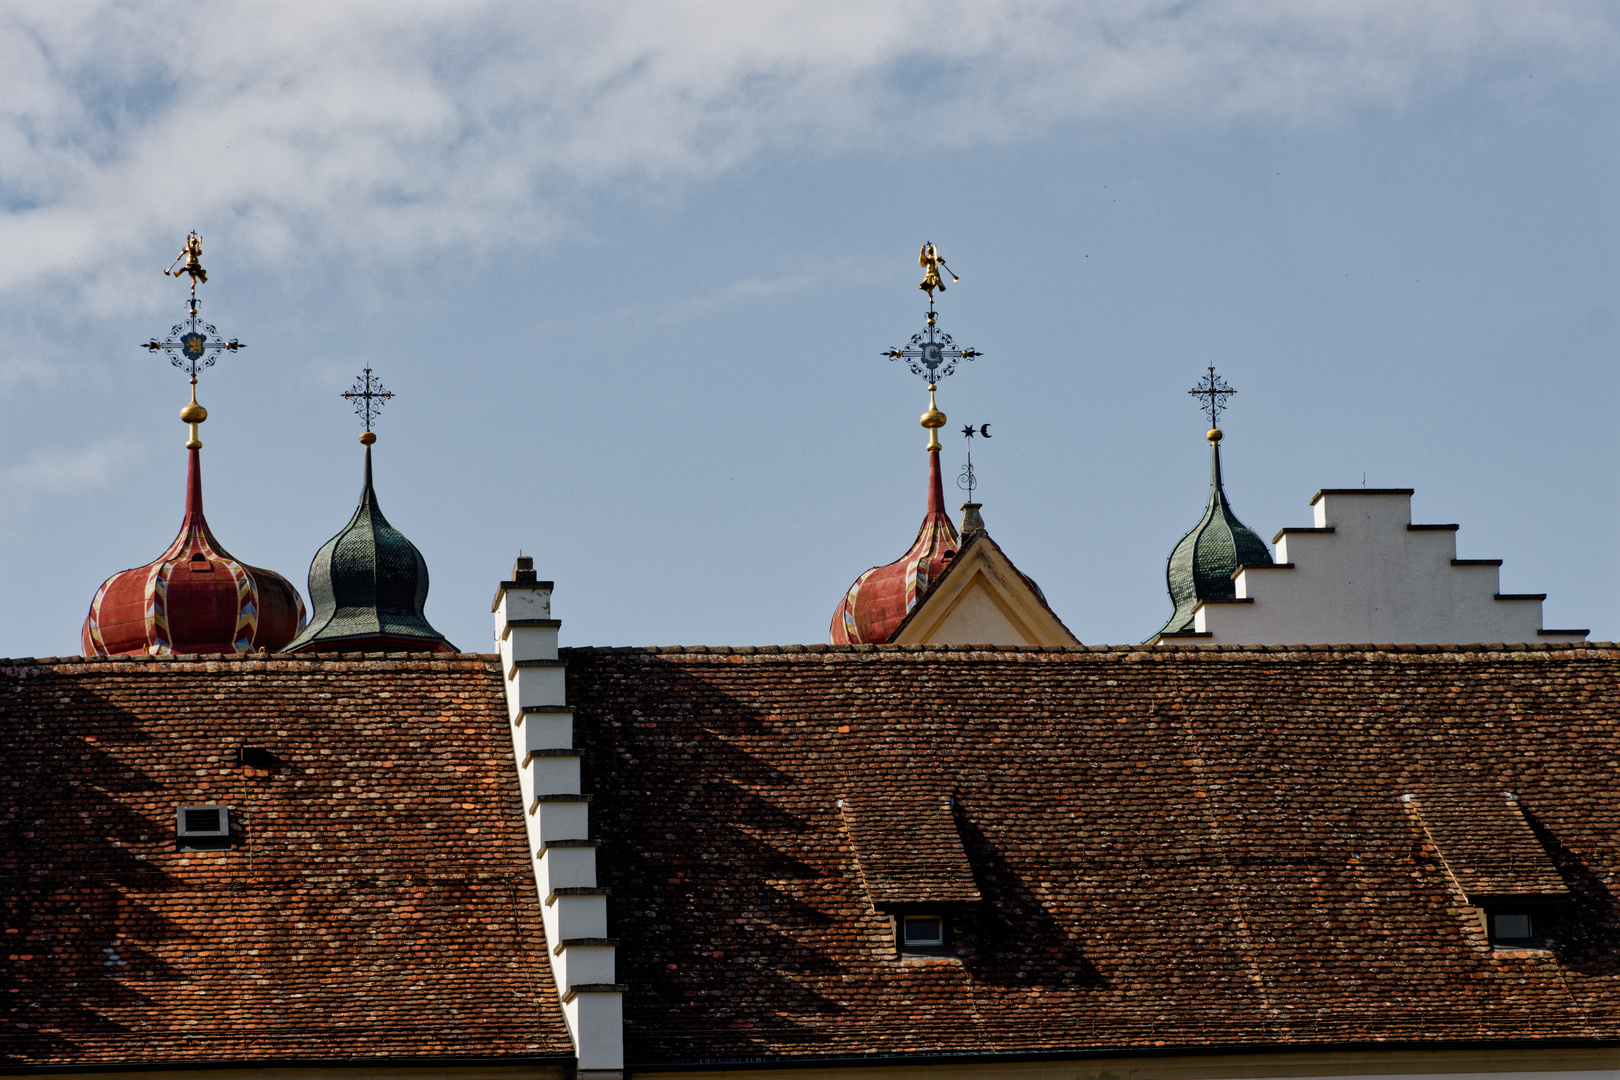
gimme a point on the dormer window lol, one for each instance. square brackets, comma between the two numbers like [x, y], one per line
[1489, 849]
[1511, 929]
[203, 828]
[922, 932]
[913, 865]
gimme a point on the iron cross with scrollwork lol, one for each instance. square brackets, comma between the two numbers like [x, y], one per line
[1214, 390]
[932, 354]
[368, 396]
[193, 345]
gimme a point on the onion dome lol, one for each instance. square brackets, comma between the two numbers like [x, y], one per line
[1202, 564]
[194, 598]
[368, 583]
[881, 598]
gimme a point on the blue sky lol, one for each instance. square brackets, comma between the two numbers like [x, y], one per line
[630, 269]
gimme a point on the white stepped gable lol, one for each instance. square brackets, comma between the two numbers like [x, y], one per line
[1365, 574]
[558, 819]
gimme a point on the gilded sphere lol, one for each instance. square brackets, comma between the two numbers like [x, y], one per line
[933, 418]
[1214, 434]
[367, 438]
[193, 413]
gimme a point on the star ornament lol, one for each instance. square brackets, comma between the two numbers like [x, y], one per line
[967, 430]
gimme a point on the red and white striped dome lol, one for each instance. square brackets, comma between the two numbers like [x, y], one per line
[194, 598]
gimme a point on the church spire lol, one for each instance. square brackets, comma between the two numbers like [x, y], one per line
[368, 583]
[881, 598]
[194, 598]
[1200, 568]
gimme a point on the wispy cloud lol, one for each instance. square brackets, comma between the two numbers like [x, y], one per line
[64, 470]
[356, 132]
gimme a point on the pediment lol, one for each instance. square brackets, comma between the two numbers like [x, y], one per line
[982, 599]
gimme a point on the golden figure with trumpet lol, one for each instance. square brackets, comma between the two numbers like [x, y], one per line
[932, 264]
[192, 254]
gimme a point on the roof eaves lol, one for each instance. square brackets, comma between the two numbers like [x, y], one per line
[210, 1064]
[1437, 1046]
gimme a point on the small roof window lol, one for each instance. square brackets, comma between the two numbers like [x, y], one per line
[203, 828]
[1511, 927]
[922, 932]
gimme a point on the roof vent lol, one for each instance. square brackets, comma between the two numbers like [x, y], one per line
[198, 822]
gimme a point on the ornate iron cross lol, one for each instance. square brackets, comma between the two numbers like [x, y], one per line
[193, 345]
[932, 354]
[1214, 390]
[368, 396]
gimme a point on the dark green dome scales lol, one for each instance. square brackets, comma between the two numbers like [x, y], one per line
[368, 585]
[1202, 564]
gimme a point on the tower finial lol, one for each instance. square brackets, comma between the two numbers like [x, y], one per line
[932, 354]
[193, 345]
[369, 397]
[968, 479]
[1214, 390]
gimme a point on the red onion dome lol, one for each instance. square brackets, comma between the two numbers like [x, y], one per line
[881, 598]
[194, 598]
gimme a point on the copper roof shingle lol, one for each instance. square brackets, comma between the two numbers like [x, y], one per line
[377, 901]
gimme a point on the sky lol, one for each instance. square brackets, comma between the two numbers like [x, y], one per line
[630, 270]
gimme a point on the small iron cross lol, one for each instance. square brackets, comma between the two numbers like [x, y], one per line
[1215, 391]
[368, 396]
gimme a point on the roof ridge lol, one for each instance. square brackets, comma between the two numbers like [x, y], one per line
[261, 658]
[1162, 648]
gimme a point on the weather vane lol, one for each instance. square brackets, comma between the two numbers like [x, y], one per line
[969, 479]
[369, 397]
[192, 345]
[1214, 390]
[931, 353]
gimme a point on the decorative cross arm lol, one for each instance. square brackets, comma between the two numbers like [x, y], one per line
[1214, 390]
[193, 345]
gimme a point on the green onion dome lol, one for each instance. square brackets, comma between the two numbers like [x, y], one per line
[368, 585]
[1202, 564]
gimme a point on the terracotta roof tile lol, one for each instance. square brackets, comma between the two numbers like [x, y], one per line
[909, 850]
[1486, 844]
[377, 900]
[1183, 846]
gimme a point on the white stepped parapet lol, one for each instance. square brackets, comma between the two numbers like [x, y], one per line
[557, 816]
[1363, 572]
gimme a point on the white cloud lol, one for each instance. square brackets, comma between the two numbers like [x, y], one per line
[61, 470]
[355, 132]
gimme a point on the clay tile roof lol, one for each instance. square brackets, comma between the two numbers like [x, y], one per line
[377, 901]
[1487, 845]
[909, 850]
[1185, 847]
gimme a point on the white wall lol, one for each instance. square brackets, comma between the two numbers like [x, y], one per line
[1364, 574]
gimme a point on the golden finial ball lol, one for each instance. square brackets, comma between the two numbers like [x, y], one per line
[193, 413]
[1214, 434]
[367, 438]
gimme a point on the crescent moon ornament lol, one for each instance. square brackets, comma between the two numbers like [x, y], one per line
[985, 430]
